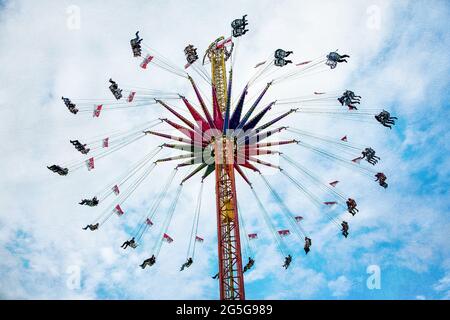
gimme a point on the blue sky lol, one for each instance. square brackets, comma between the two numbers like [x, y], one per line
[399, 61]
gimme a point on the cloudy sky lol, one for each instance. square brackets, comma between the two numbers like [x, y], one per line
[399, 61]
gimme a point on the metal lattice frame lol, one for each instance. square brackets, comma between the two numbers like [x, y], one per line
[229, 247]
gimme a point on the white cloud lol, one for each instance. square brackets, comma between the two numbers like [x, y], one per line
[340, 287]
[443, 287]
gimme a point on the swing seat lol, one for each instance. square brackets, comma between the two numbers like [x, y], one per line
[134, 245]
[332, 64]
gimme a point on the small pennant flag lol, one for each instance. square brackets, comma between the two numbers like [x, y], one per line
[298, 218]
[105, 143]
[146, 61]
[303, 63]
[357, 160]
[330, 203]
[284, 233]
[198, 239]
[167, 238]
[344, 138]
[90, 164]
[116, 190]
[319, 93]
[97, 110]
[334, 183]
[131, 96]
[260, 64]
[149, 222]
[118, 210]
[224, 42]
[253, 236]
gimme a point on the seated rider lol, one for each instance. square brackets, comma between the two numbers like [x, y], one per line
[344, 225]
[333, 58]
[287, 261]
[238, 26]
[115, 89]
[352, 95]
[66, 101]
[113, 85]
[381, 178]
[351, 206]
[280, 62]
[71, 106]
[187, 264]
[90, 202]
[191, 54]
[54, 168]
[148, 262]
[384, 117]
[80, 147]
[281, 54]
[136, 45]
[308, 244]
[59, 170]
[75, 142]
[73, 110]
[127, 243]
[368, 152]
[136, 41]
[348, 99]
[92, 227]
[249, 264]
[350, 103]
[370, 156]
[336, 57]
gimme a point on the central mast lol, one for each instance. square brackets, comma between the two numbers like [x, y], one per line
[231, 280]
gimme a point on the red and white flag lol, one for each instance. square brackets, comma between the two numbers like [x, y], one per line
[149, 222]
[284, 233]
[105, 143]
[260, 64]
[334, 183]
[198, 239]
[344, 138]
[357, 160]
[90, 164]
[303, 63]
[167, 238]
[224, 42]
[146, 61]
[131, 96]
[97, 110]
[330, 203]
[253, 236]
[298, 218]
[118, 210]
[116, 190]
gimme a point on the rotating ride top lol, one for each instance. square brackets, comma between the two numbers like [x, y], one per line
[226, 141]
